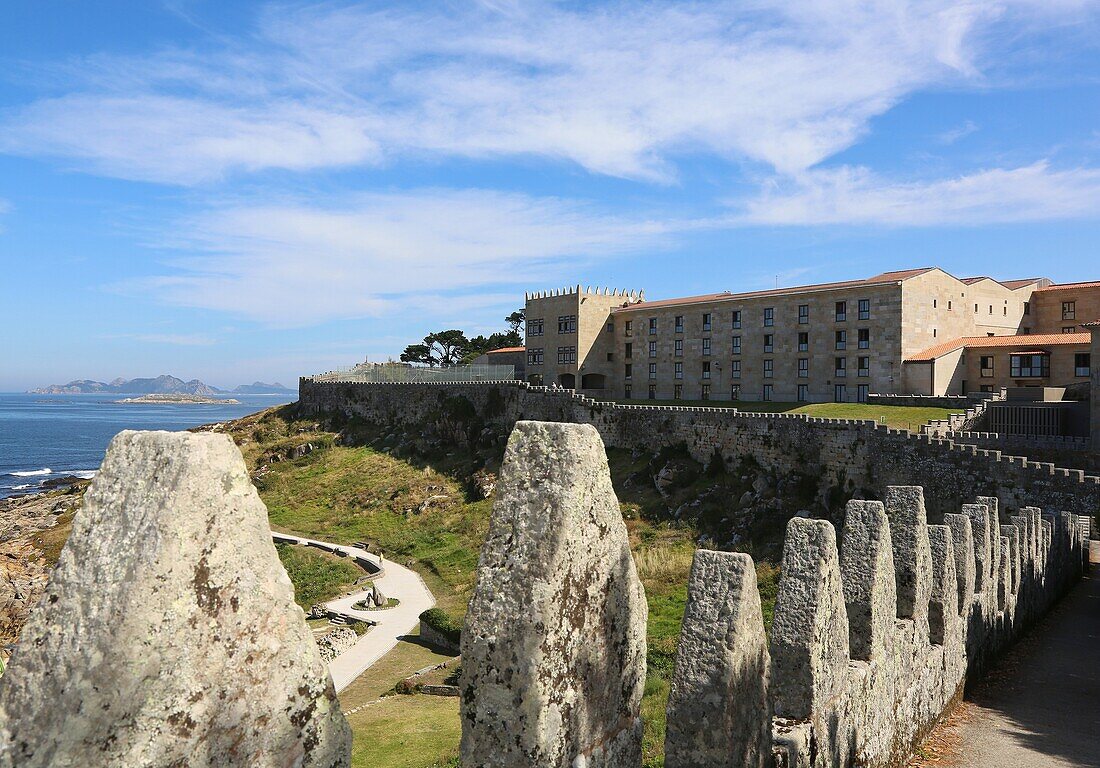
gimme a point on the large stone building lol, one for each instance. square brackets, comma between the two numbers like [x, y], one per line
[918, 331]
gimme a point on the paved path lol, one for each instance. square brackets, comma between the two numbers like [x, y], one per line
[390, 624]
[1040, 706]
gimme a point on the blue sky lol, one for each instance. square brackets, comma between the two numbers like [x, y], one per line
[241, 191]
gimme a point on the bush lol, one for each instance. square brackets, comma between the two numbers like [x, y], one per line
[443, 623]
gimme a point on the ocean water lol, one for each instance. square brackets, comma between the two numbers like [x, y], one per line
[51, 436]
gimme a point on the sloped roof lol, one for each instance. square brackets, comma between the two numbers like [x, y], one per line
[1064, 286]
[505, 349]
[1024, 341]
[883, 279]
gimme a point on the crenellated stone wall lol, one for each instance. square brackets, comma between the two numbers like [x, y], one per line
[874, 636]
[849, 457]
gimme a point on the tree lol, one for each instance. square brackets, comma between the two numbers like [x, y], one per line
[441, 349]
[515, 324]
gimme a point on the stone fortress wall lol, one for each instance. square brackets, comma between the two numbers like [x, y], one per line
[851, 457]
[872, 641]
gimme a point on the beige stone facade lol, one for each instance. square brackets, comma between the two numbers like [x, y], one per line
[816, 343]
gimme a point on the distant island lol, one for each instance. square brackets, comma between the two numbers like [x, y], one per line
[161, 385]
[179, 400]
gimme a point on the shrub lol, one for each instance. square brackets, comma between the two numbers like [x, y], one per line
[443, 623]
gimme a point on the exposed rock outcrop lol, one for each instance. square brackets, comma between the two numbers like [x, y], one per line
[168, 634]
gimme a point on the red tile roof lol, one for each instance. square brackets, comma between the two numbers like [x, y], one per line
[983, 342]
[1064, 286]
[505, 349]
[883, 279]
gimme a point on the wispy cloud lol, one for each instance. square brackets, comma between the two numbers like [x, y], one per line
[996, 196]
[296, 264]
[952, 135]
[618, 88]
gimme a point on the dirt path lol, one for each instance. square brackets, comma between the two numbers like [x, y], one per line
[1040, 706]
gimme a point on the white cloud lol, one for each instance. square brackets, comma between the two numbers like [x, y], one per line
[619, 88]
[296, 264]
[952, 135]
[995, 196]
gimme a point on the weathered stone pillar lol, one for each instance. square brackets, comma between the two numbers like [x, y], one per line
[962, 538]
[943, 608]
[168, 634]
[553, 650]
[912, 558]
[719, 713]
[983, 545]
[867, 570]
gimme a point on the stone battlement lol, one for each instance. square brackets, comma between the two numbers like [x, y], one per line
[872, 640]
[849, 454]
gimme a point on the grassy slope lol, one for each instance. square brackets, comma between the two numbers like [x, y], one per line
[317, 576]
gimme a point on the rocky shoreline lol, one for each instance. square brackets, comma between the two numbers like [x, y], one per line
[178, 400]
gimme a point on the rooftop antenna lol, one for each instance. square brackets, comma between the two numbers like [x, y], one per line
[777, 282]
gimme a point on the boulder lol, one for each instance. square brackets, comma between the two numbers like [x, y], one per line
[168, 634]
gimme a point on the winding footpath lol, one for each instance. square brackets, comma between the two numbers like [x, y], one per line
[390, 624]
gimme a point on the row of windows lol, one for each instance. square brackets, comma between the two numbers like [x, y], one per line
[840, 368]
[1034, 366]
[566, 324]
[840, 314]
[840, 342]
[566, 355]
[840, 392]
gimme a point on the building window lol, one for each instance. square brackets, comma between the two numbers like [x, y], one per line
[629, 349]
[768, 342]
[769, 367]
[735, 369]
[841, 311]
[652, 325]
[678, 348]
[534, 356]
[678, 391]
[803, 342]
[735, 391]
[610, 326]
[840, 393]
[679, 324]
[653, 370]
[803, 314]
[704, 392]
[653, 349]
[567, 355]
[1069, 310]
[985, 364]
[628, 328]
[841, 339]
[567, 324]
[861, 393]
[736, 318]
[975, 309]
[706, 321]
[652, 395]
[706, 369]
[1030, 366]
[706, 346]
[679, 370]
[1069, 329]
[841, 369]
[768, 392]
[934, 303]
[803, 393]
[1082, 365]
[534, 327]
[1027, 307]
[803, 367]
[736, 345]
[863, 366]
[769, 316]
[627, 391]
[949, 308]
[865, 309]
[864, 338]
[610, 356]
[628, 371]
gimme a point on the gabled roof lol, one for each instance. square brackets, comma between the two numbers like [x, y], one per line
[884, 279]
[1023, 341]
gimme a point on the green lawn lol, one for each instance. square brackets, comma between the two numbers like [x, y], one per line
[897, 416]
[317, 576]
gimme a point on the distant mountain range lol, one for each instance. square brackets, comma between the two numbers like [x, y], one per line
[161, 385]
